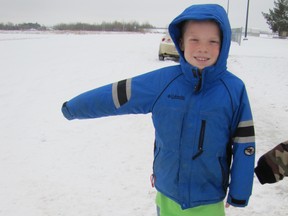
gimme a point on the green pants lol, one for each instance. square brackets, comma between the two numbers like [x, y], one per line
[167, 207]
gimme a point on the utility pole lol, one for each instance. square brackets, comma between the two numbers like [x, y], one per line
[227, 7]
[246, 26]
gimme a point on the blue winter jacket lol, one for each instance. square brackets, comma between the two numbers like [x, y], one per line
[200, 120]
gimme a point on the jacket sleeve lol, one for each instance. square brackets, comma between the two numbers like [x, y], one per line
[273, 165]
[130, 96]
[243, 152]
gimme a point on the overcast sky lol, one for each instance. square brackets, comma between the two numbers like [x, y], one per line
[156, 12]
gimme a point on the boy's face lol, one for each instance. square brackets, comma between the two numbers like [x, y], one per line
[201, 43]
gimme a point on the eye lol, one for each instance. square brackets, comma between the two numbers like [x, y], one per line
[194, 40]
[215, 42]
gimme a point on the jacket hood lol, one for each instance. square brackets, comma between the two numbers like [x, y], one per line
[204, 12]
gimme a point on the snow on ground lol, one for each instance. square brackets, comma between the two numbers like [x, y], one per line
[50, 166]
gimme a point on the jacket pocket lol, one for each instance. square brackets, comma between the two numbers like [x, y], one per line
[201, 140]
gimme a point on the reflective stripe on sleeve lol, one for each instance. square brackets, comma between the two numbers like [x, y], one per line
[121, 92]
[245, 132]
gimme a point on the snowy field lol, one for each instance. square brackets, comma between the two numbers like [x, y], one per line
[53, 167]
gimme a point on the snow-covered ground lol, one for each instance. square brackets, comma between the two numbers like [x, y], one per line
[50, 166]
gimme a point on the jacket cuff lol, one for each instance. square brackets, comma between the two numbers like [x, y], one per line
[66, 112]
[237, 202]
[264, 172]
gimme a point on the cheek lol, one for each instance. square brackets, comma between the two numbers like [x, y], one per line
[215, 51]
[190, 47]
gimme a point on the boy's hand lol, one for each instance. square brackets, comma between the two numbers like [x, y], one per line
[227, 205]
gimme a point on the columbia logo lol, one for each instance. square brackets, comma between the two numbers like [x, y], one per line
[177, 97]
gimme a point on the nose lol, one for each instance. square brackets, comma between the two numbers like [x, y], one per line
[203, 48]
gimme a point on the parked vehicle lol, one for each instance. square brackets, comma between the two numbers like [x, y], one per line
[167, 48]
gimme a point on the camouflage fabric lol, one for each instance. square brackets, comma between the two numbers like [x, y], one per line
[273, 165]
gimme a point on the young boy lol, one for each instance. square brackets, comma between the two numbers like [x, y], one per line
[201, 116]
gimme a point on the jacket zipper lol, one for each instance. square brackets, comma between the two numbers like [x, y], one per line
[197, 73]
[201, 140]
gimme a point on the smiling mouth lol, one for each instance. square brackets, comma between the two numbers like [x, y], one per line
[201, 59]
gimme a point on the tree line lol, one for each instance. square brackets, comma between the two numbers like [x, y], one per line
[22, 26]
[104, 26]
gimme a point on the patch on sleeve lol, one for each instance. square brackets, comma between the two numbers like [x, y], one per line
[121, 92]
[249, 151]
